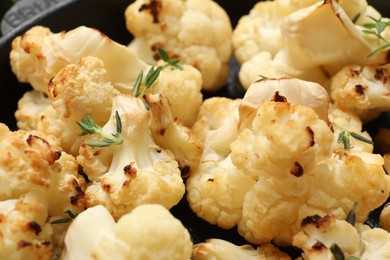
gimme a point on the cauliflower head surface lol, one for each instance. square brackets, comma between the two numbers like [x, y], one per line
[77, 90]
[33, 161]
[198, 32]
[216, 189]
[23, 228]
[149, 231]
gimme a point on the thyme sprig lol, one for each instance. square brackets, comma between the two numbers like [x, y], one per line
[88, 126]
[153, 73]
[376, 28]
[66, 219]
[344, 137]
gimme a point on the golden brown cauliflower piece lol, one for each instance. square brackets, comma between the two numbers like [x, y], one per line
[198, 32]
[33, 161]
[76, 91]
[23, 228]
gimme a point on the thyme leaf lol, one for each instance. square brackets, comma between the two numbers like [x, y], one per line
[351, 217]
[66, 219]
[88, 126]
[261, 78]
[153, 73]
[344, 137]
[356, 18]
[337, 252]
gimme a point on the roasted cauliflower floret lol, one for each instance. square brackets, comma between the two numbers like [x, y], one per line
[23, 228]
[159, 235]
[135, 172]
[39, 54]
[324, 237]
[30, 108]
[221, 249]
[76, 91]
[216, 189]
[169, 133]
[265, 146]
[197, 32]
[362, 89]
[183, 90]
[33, 161]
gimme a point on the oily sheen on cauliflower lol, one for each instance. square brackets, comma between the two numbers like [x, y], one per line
[198, 32]
[288, 149]
[136, 172]
[33, 161]
[23, 228]
[216, 189]
[148, 232]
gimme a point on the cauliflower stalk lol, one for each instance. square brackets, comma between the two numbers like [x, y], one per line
[171, 134]
[308, 49]
[221, 249]
[39, 54]
[94, 234]
[136, 172]
[196, 31]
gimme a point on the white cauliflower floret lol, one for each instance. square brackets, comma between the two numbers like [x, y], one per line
[138, 171]
[259, 30]
[266, 146]
[23, 228]
[148, 232]
[169, 133]
[298, 169]
[198, 32]
[221, 249]
[183, 90]
[362, 89]
[216, 189]
[76, 91]
[33, 161]
[38, 55]
[323, 237]
[30, 108]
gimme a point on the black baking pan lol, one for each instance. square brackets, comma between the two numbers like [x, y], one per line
[108, 17]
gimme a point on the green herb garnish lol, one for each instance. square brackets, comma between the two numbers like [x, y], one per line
[376, 28]
[351, 217]
[153, 73]
[65, 220]
[88, 126]
[356, 18]
[261, 78]
[337, 252]
[344, 138]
